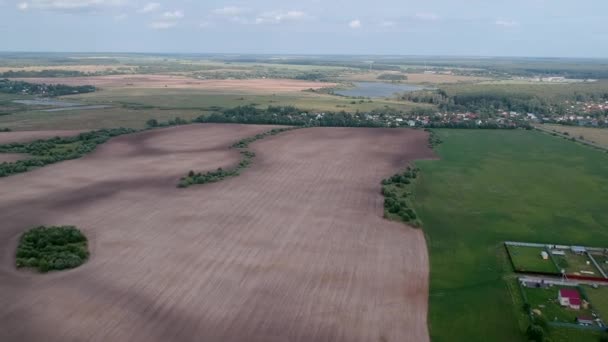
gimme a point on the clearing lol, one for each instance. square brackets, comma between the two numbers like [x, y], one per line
[295, 248]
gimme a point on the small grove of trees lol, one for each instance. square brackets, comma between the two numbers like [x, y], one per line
[392, 77]
[538, 329]
[20, 87]
[5, 129]
[177, 121]
[52, 248]
[396, 191]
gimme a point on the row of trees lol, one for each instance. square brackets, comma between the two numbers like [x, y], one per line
[289, 115]
[51, 90]
[220, 174]
[56, 149]
[396, 191]
[42, 73]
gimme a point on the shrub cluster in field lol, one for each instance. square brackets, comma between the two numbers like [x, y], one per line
[219, 174]
[56, 149]
[52, 248]
[5, 130]
[397, 194]
[434, 139]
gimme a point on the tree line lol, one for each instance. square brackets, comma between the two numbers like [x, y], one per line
[51, 90]
[49, 151]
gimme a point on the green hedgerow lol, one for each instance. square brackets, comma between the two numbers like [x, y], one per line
[52, 248]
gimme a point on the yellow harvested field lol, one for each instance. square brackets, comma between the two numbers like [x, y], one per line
[81, 68]
[181, 82]
[598, 136]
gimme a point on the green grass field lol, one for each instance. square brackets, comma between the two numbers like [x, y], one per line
[494, 186]
[91, 119]
[205, 99]
[528, 259]
[574, 264]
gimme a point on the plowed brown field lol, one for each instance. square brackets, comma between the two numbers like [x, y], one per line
[293, 249]
[11, 157]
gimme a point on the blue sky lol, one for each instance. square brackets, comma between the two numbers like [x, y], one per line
[561, 28]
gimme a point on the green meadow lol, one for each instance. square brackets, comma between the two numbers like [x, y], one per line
[492, 186]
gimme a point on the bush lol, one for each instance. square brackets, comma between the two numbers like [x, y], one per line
[535, 333]
[52, 248]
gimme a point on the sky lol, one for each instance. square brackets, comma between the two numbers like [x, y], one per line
[535, 28]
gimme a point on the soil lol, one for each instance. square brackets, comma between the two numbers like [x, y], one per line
[293, 249]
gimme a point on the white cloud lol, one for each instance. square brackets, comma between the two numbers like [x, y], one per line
[355, 24]
[230, 11]
[427, 16]
[275, 17]
[163, 25]
[150, 7]
[70, 5]
[174, 15]
[506, 23]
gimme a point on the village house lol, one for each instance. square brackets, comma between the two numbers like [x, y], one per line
[569, 298]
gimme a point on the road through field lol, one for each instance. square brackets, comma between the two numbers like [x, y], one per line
[293, 249]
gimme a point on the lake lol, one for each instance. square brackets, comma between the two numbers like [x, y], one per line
[377, 89]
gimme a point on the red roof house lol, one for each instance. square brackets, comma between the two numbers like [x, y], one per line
[570, 298]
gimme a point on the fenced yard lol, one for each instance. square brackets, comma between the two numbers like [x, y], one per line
[529, 259]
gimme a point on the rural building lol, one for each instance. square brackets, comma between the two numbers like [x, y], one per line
[578, 249]
[570, 298]
[544, 255]
[585, 320]
[557, 252]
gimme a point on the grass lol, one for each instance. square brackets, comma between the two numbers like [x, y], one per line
[574, 264]
[599, 300]
[528, 259]
[546, 301]
[91, 119]
[206, 100]
[495, 186]
[52, 248]
[601, 260]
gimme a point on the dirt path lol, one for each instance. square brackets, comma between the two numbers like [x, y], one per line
[294, 249]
